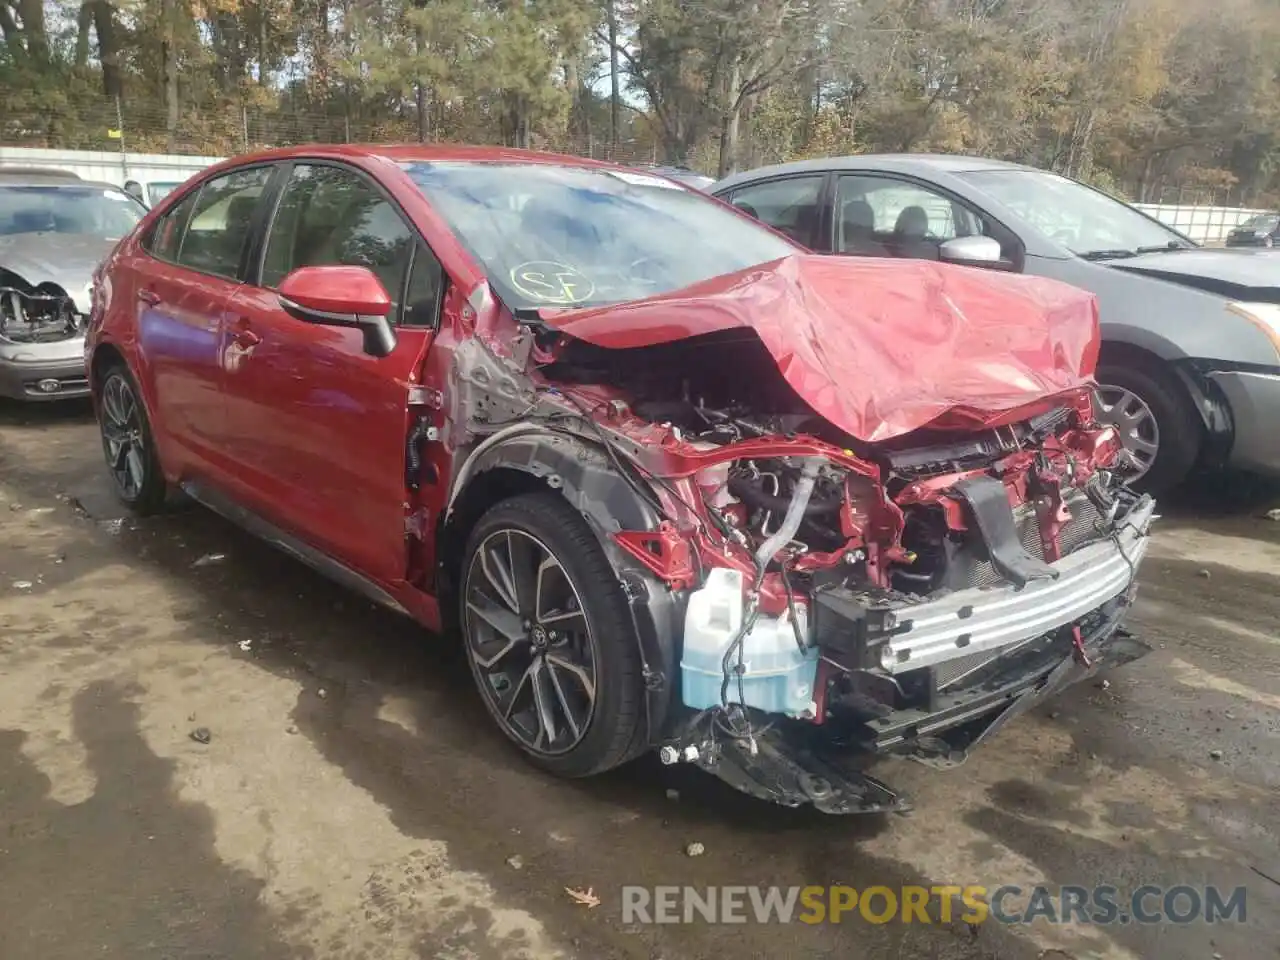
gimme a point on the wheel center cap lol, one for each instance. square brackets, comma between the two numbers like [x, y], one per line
[538, 636]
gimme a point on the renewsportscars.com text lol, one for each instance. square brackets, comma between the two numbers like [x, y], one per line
[1010, 904]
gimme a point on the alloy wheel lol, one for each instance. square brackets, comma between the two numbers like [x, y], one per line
[1134, 421]
[122, 436]
[530, 642]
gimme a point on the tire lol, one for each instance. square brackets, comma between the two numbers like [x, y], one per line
[518, 628]
[1181, 432]
[136, 473]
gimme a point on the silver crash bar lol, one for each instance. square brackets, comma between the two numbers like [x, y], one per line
[974, 620]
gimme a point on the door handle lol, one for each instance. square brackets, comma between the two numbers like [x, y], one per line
[244, 337]
[148, 296]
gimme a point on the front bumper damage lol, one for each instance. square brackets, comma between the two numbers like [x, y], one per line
[33, 374]
[796, 768]
[967, 623]
[41, 342]
[968, 662]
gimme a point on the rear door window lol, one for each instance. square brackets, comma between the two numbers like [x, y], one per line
[221, 222]
[790, 205]
[165, 238]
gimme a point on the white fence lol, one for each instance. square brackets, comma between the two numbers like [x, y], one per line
[1202, 224]
[109, 167]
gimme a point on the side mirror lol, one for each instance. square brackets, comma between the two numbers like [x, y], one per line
[972, 252]
[340, 296]
[134, 189]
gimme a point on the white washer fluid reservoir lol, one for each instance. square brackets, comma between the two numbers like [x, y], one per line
[778, 678]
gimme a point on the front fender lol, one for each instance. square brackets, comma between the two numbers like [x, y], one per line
[585, 475]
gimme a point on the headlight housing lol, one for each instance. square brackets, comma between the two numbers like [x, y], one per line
[1264, 316]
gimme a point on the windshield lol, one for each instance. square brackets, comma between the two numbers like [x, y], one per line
[556, 236]
[95, 211]
[1085, 221]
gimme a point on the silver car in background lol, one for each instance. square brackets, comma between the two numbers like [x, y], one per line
[1189, 371]
[54, 230]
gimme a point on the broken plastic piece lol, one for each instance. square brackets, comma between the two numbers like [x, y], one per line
[1077, 644]
[988, 504]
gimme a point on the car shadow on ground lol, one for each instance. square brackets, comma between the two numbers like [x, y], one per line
[187, 902]
[45, 413]
[1222, 497]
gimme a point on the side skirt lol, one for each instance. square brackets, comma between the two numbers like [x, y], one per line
[264, 529]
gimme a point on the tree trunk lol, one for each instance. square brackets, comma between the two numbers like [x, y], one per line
[170, 60]
[263, 73]
[84, 23]
[571, 83]
[12, 35]
[522, 124]
[729, 131]
[321, 45]
[1144, 180]
[33, 29]
[424, 122]
[614, 95]
[230, 62]
[420, 91]
[104, 25]
[1080, 159]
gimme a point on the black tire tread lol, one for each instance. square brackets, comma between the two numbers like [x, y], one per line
[565, 531]
[155, 489]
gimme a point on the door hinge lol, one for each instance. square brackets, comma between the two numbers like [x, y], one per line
[425, 397]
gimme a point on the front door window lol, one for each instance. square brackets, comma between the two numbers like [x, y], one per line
[886, 217]
[329, 215]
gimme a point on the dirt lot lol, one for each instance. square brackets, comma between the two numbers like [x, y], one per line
[354, 802]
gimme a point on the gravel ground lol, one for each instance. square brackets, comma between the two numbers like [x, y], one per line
[353, 801]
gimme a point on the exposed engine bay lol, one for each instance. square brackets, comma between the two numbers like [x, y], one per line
[848, 599]
[33, 314]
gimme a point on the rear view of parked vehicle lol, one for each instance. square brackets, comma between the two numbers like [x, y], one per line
[1260, 231]
[676, 483]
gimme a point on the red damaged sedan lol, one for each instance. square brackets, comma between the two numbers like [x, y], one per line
[676, 484]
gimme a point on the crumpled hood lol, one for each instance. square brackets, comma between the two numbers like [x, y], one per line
[67, 259]
[880, 347]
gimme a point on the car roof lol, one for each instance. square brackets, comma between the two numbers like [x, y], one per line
[909, 163]
[38, 177]
[411, 152]
[52, 173]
